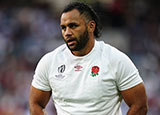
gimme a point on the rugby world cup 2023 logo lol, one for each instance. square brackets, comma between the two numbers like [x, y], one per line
[61, 70]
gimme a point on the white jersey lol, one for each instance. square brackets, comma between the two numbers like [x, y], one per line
[86, 85]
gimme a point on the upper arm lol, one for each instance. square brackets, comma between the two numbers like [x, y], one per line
[38, 97]
[135, 96]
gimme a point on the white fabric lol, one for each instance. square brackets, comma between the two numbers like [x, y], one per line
[75, 91]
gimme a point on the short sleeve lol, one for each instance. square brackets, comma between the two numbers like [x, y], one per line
[40, 78]
[126, 73]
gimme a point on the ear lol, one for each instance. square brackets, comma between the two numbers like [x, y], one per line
[91, 26]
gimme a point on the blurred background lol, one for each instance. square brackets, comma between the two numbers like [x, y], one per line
[30, 28]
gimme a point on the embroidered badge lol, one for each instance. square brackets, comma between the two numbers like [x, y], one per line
[95, 70]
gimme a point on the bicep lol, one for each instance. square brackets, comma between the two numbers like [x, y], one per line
[39, 97]
[135, 95]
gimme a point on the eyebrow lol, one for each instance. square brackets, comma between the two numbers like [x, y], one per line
[72, 23]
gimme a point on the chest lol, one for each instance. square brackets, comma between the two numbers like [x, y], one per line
[82, 80]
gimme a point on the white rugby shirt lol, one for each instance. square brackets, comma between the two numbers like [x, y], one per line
[86, 85]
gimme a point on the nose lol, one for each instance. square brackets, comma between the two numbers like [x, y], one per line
[68, 32]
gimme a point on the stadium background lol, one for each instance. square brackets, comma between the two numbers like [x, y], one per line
[30, 28]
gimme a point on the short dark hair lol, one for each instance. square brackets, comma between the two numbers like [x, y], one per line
[88, 12]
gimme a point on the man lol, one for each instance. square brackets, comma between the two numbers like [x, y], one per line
[86, 77]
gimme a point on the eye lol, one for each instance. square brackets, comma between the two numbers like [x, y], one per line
[73, 25]
[63, 27]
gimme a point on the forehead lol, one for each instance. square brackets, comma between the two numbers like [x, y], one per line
[72, 16]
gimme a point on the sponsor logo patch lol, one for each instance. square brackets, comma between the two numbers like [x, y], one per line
[78, 68]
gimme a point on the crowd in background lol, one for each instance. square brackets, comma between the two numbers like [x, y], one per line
[28, 31]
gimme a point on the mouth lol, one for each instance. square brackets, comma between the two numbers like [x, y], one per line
[71, 42]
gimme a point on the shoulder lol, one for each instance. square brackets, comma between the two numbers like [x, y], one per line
[114, 56]
[59, 50]
[111, 52]
[48, 57]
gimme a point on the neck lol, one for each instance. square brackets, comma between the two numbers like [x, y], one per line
[89, 46]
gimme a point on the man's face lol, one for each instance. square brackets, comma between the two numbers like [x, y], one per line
[74, 30]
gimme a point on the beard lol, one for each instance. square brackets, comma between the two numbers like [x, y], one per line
[80, 43]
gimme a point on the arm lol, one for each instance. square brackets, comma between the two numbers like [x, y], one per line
[136, 99]
[38, 100]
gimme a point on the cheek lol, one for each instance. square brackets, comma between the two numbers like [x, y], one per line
[81, 33]
[63, 35]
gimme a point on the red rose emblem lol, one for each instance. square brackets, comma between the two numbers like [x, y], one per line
[95, 70]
